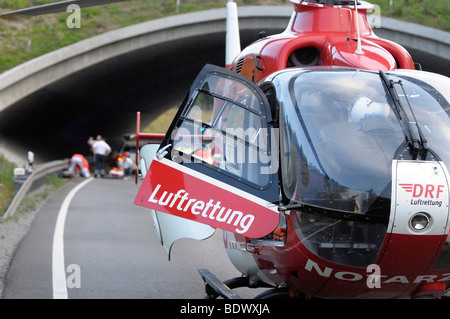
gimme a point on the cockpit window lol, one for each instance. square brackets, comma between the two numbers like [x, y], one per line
[225, 127]
[340, 135]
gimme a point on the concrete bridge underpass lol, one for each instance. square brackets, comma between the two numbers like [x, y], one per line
[52, 104]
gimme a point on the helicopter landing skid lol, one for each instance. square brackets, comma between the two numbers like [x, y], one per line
[215, 288]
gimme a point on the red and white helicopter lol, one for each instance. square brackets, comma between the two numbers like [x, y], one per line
[323, 156]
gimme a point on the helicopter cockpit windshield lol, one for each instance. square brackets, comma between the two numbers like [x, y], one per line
[341, 134]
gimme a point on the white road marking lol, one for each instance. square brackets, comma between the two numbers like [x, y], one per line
[58, 267]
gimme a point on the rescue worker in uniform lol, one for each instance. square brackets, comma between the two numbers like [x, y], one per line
[78, 162]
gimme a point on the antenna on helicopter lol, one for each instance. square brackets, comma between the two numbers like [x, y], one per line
[358, 48]
[233, 42]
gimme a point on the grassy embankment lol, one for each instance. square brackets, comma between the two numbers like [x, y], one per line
[431, 13]
[6, 183]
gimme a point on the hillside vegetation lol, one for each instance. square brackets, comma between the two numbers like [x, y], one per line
[26, 38]
[6, 183]
[432, 13]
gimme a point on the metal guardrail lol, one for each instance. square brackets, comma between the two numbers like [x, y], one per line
[38, 172]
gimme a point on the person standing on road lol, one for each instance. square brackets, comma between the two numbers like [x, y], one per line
[101, 149]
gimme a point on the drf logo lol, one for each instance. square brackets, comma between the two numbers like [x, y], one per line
[427, 190]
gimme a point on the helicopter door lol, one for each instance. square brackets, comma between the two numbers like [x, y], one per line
[170, 228]
[216, 165]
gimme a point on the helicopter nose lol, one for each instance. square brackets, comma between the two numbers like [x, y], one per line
[420, 217]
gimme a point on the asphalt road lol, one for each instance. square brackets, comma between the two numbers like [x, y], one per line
[110, 250]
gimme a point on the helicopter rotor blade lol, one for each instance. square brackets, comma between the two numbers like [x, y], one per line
[54, 8]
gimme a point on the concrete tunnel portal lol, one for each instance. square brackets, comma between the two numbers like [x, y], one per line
[56, 120]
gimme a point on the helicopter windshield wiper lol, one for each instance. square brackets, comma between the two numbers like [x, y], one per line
[412, 129]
